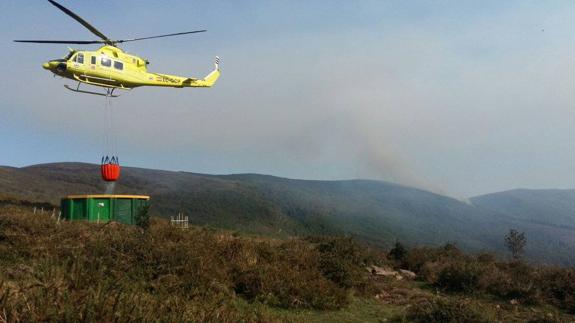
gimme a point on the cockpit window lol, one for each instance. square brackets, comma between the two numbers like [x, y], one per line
[80, 58]
[106, 61]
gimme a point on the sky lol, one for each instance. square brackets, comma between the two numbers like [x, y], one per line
[457, 97]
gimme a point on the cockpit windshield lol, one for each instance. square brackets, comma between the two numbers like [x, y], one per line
[69, 55]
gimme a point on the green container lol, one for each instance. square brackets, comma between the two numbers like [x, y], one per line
[103, 208]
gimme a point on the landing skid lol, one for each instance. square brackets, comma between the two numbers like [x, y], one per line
[109, 91]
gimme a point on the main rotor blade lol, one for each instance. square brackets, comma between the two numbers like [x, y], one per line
[82, 42]
[81, 21]
[159, 36]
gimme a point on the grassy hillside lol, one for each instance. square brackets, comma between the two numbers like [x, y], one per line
[59, 271]
[376, 212]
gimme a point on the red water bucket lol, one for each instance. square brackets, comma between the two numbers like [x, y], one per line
[110, 170]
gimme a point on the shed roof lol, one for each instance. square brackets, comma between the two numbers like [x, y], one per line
[104, 196]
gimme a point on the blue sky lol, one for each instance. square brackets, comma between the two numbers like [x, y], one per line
[459, 97]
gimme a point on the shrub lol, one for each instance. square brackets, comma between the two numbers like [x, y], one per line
[417, 257]
[460, 276]
[447, 311]
[142, 218]
[486, 258]
[398, 252]
[515, 280]
[558, 287]
[544, 318]
[289, 276]
[342, 260]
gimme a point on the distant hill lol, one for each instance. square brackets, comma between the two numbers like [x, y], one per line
[551, 207]
[374, 211]
[547, 216]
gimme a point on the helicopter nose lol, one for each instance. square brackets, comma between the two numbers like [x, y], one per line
[46, 66]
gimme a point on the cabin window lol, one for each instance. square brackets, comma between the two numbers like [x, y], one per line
[80, 58]
[106, 62]
[118, 65]
[93, 60]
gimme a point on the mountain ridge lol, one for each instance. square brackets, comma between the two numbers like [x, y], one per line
[374, 211]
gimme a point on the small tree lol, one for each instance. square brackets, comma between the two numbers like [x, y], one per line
[143, 217]
[398, 252]
[515, 242]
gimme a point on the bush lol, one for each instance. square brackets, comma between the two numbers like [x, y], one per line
[142, 218]
[514, 280]
[289, 276]
[398, 252]
[416, 258]
[544, 318]
[343, 261]
[460, 276]
[558, 287]
[430, 271]
[447, 311]
[486, 258]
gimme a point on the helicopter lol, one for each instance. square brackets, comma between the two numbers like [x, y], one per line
[111, 67]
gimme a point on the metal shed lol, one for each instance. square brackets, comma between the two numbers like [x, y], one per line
[103, 208]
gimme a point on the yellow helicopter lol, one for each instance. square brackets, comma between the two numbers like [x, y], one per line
[112, 68]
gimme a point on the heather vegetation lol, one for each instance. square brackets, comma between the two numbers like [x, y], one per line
[449, 270]
[82, 271]
[54, 270]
